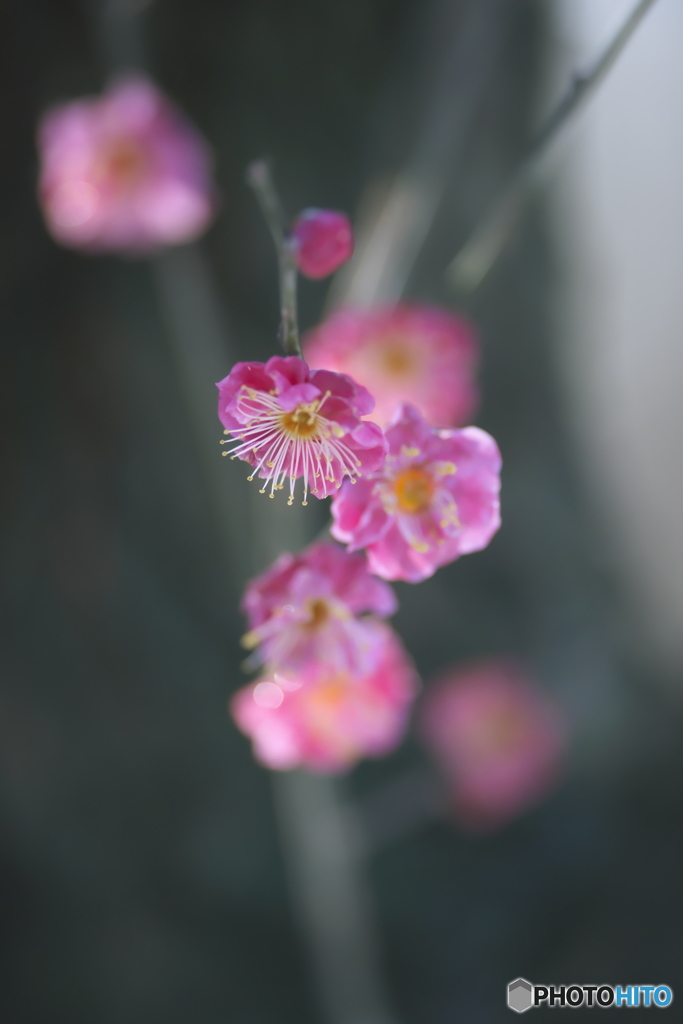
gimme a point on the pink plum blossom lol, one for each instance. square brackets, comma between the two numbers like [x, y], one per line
[497, 737]
[327, 718]
[321, 240]
[406, 353]
[123, 171]
[289, 421]
[434, 499]
[306, 607]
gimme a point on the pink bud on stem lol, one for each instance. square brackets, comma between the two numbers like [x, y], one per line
[321, 241]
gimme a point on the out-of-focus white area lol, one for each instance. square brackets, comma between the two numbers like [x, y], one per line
[618, 197]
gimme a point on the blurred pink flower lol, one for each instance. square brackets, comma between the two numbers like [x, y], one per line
[321, 240]
[123, 171]
[435, 498]
[294, 422]
[328, 719]
[497, 737]
[305, 607]
[407, 353]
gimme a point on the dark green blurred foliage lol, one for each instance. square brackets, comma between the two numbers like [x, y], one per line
[141, 879]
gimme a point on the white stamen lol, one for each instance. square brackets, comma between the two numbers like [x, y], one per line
[297, 443]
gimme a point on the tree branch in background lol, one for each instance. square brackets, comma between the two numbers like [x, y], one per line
[481, 250]
[390, 238]
[260, 181]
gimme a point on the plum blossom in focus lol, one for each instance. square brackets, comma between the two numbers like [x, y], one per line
[289, 421]
[321, 241]
[326, 718]
[306, 608]
[435, 498]
[497, 738]
[406, 353]
[123, 171]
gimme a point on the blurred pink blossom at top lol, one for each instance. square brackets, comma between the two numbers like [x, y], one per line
[498, 738]
[289, 421]
[434, 499]
[326, 718]
[407, 353]
[123, 171]
[306, 607]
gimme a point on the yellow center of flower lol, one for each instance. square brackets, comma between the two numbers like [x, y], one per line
[296, 442]
[319, 613]
[123, 162]
[414, 489]
[397, 358]
[326, 705]
[302, 421]
[330, 695]
[499, 732]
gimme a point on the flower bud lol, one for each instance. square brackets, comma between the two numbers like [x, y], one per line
[321, 240]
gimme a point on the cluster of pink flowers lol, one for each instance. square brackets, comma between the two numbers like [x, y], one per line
[374, 418]
[497, 737]
[415, 497]
[337, 683]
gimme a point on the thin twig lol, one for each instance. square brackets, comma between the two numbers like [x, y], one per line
[260, 181]
[483, 247]
[467, 43]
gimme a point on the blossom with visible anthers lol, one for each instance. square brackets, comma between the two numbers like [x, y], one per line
[435, 498]
[289, 421]
[317, 605]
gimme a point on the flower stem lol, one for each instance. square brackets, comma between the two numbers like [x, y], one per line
[485, 244]
[323, 846]
[260, 181]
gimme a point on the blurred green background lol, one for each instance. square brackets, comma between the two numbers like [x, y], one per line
[141, 878]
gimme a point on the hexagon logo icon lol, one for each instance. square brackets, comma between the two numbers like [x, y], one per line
[520, 995]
